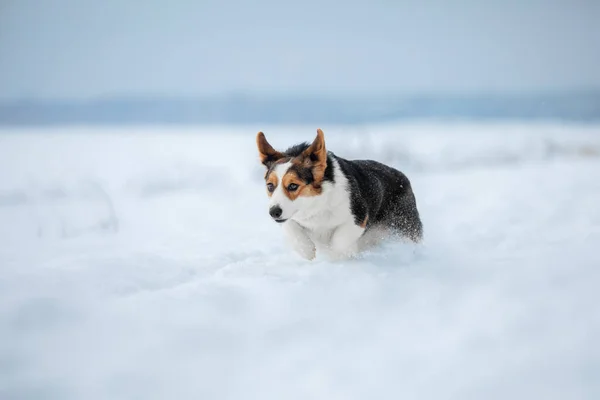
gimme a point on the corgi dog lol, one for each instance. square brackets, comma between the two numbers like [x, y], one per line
[334, 206]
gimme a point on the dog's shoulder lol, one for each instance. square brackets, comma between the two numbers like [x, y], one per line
[368, 172]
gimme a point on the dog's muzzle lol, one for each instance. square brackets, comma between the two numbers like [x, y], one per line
[275, 213]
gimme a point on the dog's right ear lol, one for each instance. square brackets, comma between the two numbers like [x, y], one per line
[268, 155]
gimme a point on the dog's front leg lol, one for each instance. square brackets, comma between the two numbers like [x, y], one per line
[298, 238]
[344, 241]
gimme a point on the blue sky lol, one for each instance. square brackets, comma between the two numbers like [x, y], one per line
[89, 48]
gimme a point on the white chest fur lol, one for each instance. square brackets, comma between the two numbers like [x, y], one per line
[328, 210]
[325, 223]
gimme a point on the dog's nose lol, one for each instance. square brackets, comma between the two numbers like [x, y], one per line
[275, 212]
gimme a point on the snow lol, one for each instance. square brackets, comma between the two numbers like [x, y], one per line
[142, 263]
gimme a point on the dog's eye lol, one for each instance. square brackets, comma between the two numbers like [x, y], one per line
[270, 187]
[292, 186]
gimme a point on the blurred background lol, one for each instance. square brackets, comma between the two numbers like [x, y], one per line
[268, 61]
[137, 256]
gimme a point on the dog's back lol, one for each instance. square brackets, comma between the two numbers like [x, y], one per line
[382, 196]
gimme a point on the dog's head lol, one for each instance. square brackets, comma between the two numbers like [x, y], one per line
[294, 176]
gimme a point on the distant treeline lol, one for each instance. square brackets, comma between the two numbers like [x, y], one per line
[581, 106]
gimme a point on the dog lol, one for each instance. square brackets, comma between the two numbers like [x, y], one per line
[335, 206]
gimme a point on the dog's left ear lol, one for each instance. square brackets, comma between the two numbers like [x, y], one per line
[316, 156]
[268, 155]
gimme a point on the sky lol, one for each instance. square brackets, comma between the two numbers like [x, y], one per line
[64, 49]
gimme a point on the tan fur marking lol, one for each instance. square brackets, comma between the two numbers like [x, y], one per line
[303, 189]
[364, 223]
[272, 178]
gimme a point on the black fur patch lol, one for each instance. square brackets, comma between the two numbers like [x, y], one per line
[329, 176]
[384, 195]
[305, 174]
[296, 149]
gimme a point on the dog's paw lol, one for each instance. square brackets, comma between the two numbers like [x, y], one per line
[307, 254]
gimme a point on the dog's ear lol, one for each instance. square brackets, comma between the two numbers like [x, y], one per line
[268, 155]
[316, 156]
